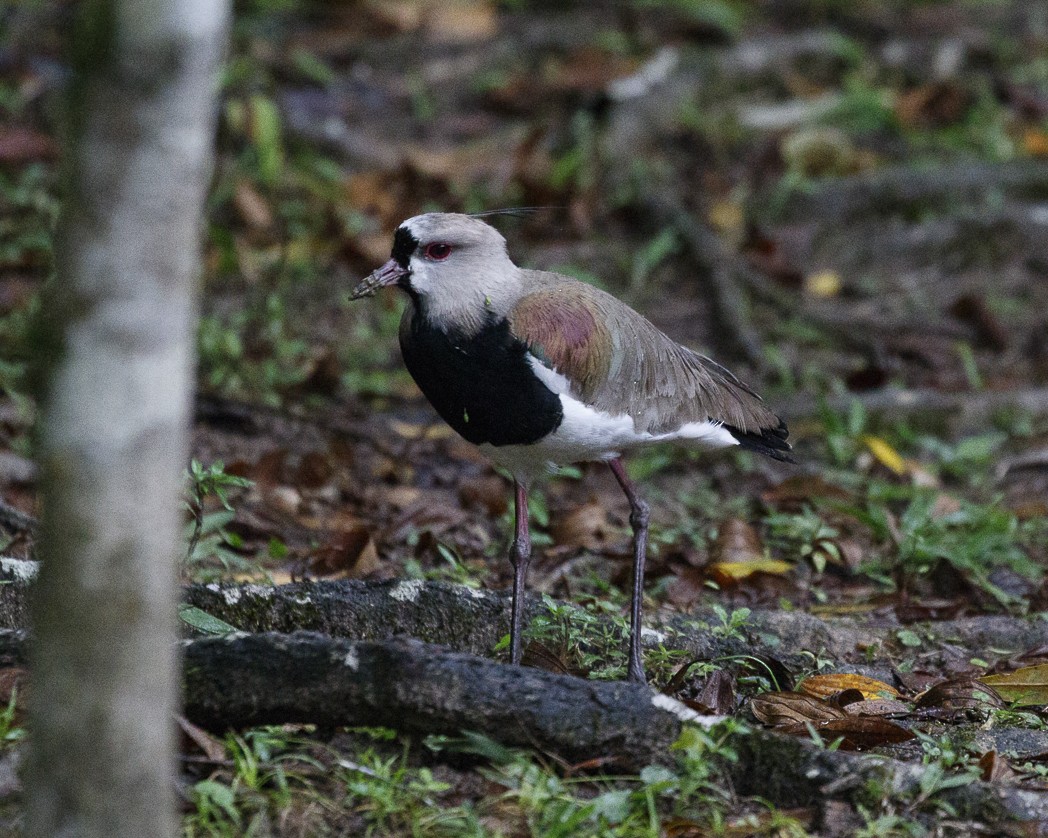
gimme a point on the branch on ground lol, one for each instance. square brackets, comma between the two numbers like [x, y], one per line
[895, 190]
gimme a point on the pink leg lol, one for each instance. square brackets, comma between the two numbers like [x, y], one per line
[639, 515]
[520, 556]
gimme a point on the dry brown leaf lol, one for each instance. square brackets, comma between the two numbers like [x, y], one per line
[314, 470]
[351, 555]
[1025, 686]
[211, 747]
[851, 552]
[586, 526]
[253, 209]
[1035, 142]
[393, 15]
[20, 145]
[686, 588]
[823, 686]
[958, 694]
[736, 541]
[877, 707]
[783, 708]
[267, 470]
[728, 573]
[844, 698]
[933, 105]
[996, 769]
[794, 492]
[944, 505]
[589, 70]
[542, 656]
[454, 163]
[718, 694]
[1029, 510]
[737, 552]
[459, 21]
[371, 193]
[857, 733]
[488, 492]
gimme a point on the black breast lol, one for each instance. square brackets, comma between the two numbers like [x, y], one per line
[483, 386]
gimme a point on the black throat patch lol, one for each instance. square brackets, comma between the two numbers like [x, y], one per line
[483, 386]
[404, 244]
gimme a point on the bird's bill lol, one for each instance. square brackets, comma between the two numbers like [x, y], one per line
[389, 274]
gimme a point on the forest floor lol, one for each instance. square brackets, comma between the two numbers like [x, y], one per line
[845, 203]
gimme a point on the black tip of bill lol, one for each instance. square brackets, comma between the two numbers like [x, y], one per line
[389, 274]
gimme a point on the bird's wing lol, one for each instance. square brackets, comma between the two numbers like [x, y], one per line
[617, 362]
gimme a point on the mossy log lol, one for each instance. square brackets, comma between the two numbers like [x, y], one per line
[473, 621]
[250, 679]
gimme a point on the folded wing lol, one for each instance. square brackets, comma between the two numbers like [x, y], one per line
[617, 362]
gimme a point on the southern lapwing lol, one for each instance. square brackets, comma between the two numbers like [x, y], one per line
[540, 370]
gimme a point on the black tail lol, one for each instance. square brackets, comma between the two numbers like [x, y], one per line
[768, 441]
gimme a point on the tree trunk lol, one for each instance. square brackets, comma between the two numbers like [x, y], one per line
[116, 343]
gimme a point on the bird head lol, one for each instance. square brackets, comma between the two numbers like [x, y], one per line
[455, 267]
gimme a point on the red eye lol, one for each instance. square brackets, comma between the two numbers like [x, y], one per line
[438, 251]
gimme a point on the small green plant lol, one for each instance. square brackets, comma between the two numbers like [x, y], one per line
[10, 732]
[806, 533]
[634, 806]
[590, 640]
[452, 567]
[731, 624]
[207, 538]
[395, 798]
[969, 459]
[267, 766]
[947, 766]
[648, 258]
[974, 539]
[844, 432]
[253, 352]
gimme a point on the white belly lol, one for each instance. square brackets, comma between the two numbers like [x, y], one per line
[586, 434]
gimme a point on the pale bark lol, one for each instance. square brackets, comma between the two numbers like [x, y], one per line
[116, 343]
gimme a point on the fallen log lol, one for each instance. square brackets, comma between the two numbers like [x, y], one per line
[250, 679]
[470, 620]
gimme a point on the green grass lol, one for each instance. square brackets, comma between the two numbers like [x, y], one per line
[378, 784]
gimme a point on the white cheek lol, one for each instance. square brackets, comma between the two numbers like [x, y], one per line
[421, 276]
